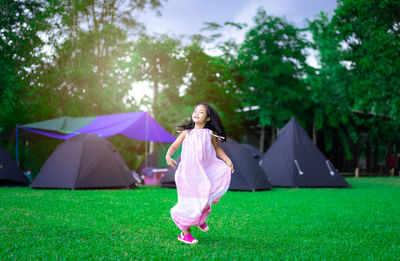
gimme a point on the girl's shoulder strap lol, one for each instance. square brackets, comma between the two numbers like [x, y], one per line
[217, 136]
[182, 131]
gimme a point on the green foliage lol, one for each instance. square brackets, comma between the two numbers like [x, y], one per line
[351, 92]
[371, 32]
[20, 59]
[210, 81]
[332, 98]
[283, 224]
[159, 61]
[269, 68]
[132, 151]
[181, 77]
[89, 71]
[27, 153]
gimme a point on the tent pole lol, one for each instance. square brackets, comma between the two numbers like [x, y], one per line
[16, 144]
[147, 137]
[145, 154]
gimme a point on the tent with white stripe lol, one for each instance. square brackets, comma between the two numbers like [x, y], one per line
[294, 161]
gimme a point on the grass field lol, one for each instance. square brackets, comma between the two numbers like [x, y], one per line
[358, 223]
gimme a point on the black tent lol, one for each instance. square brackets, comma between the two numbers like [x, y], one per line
[255, 153]
[294, 161]
[84, 161]
[168, 180]
[10, 173]
[248, 175]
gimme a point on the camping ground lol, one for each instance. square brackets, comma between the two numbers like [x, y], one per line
[357, 223]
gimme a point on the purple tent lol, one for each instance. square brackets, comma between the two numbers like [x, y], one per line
[135, 125]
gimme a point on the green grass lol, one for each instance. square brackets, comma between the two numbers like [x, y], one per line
[359, 223]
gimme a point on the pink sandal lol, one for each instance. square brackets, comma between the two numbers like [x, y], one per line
[187, 239]
[203, 227]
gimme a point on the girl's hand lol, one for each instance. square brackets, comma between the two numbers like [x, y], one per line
[230, 165]
[171, 162]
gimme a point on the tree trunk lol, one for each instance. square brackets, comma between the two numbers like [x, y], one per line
[151, 147]
[262, 138]
[375, 164]
[155, 110]
[356, 149]
[314, 133]
[384, 159]
[368, 156]
[155, 100]
[273, 133]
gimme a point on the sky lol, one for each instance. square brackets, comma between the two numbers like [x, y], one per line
[187, 17]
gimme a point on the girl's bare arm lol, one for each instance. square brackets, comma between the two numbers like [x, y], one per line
[221, 154]
[171, 150]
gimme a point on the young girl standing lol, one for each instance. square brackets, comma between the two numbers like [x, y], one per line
[201, 178]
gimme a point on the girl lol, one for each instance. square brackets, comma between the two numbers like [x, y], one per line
[201, 178]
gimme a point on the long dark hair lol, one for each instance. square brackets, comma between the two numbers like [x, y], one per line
[213, 124]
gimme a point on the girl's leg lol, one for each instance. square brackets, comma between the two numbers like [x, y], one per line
[186, 231]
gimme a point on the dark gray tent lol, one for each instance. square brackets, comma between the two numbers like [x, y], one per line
[255, 153]
[10, 173]
[248, 175]
[294, 161]
[168, 180]
[84, 161]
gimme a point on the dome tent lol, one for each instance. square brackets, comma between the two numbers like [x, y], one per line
[10, 173]
[255, 153]
[248, 174]
[84, 161]
[168, 180]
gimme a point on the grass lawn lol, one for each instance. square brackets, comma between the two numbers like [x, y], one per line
[358, 223]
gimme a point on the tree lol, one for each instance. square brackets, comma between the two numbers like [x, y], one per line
[330, 91]
[371, 31]
[87, 73]
[269, 71]
[370, 34]
[22, 63]
[210, 81]
[159, 61]
[20, 59]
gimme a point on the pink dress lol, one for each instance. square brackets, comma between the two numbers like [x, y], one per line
[201, 179]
